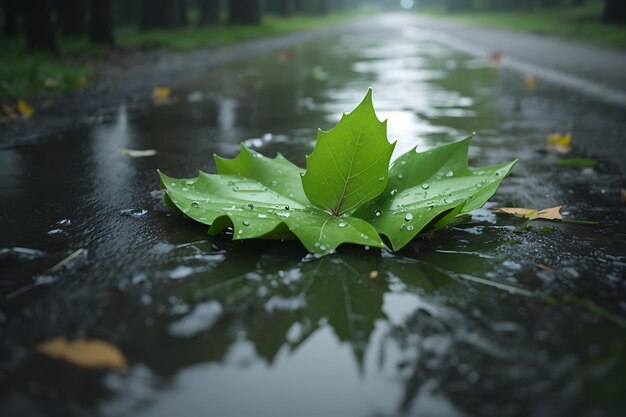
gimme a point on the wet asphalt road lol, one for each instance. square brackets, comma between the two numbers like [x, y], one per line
[488, 318]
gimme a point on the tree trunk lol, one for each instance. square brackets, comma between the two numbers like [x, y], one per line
[284, 8]
[210, 12]
[38, 25]
[71, 15]
[244, 11]
[11, 14]
[298, 6]
[614, 11]
[323, 6]
[101, 25]
[181, 11]
[460, 5]
[158, 14]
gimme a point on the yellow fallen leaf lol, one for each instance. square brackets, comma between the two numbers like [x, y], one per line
[530, 82]
[552, 213]
[560, 139]
[85, 353]
[25, 110]
[559, 143]
[83, 83]
[161, 94]
[373, 274]
[137, 153]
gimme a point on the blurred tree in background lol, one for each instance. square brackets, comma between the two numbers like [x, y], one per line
[40, 34]
[71, 16]
[614, 11]
[41, 20]
[244, 11]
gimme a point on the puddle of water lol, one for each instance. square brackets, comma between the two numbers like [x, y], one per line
[466, 322]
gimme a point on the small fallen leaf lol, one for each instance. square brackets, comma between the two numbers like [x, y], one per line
[373, 274]
[577, 163]
[553, 213]
[83, 83]
[137, 153]
[495, 57]
[285, 56]
[85, 353]
[51, 83]
[9, 111]
[546, 268]
[530, 82]
[161, 95]
[25, 110]
[559, 143]
[623, 193]
[68, 259]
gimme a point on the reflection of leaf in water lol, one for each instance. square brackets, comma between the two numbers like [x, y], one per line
[266, 307]
[342, 293]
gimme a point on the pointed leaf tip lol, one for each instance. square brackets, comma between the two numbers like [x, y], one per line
[349, 165]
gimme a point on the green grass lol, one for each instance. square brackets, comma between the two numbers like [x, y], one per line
[24, 75]
[193, 38]
[577, 23]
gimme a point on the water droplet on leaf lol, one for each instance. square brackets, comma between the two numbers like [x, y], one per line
[408, 217]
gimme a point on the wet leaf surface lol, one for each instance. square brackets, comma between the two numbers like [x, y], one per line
[257, 197]
[261, 197]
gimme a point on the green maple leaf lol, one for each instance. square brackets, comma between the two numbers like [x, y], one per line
[350, 163]
[423, 187]
[263, 198]
[347, 195]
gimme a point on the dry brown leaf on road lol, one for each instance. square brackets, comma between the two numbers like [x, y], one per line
[552, 213]
[85, 353]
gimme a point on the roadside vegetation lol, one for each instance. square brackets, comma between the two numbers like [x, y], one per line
[64, 57]
[577, 20]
